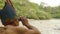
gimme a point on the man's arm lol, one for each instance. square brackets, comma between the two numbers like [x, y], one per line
[31, 28]
[25, 23]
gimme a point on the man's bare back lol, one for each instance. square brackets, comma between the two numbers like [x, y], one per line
[9, 29]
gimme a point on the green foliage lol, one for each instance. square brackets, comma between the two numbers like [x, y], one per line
[43, 15]
[28, 9]
[1, 4]
[54, 11]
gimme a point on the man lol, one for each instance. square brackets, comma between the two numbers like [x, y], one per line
[20, 30]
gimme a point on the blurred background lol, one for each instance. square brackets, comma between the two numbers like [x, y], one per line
[43, 14]
[36, 9]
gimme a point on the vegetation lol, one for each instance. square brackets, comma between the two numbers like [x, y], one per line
[32, 10]
[54, 11]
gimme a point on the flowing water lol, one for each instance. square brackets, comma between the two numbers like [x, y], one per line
[51, 26]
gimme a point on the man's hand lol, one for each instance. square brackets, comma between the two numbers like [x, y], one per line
[24, 21]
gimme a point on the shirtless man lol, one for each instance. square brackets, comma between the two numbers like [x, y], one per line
[21, 30]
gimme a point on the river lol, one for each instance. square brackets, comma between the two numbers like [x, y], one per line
[51, 26]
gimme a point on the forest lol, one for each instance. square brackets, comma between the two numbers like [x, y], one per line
[32, 10]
